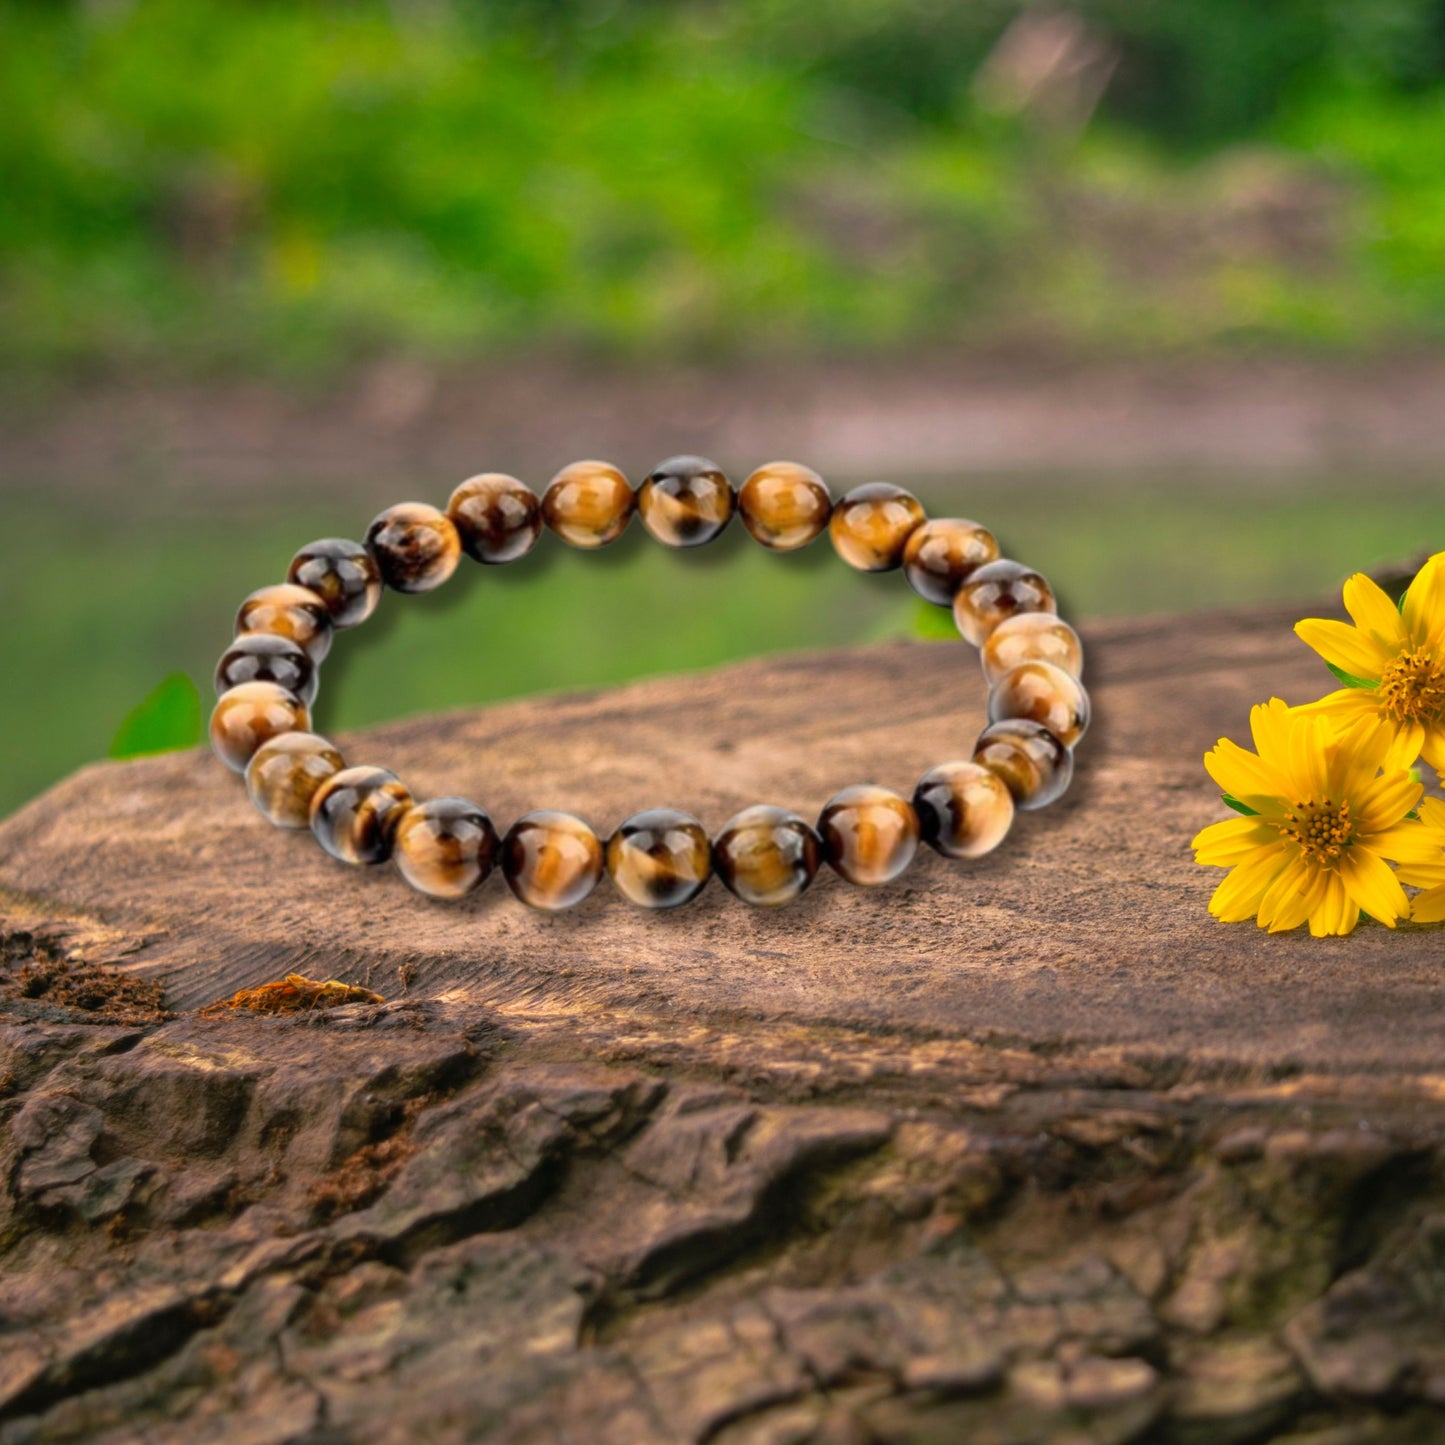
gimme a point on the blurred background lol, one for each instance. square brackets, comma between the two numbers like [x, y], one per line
[1156, 291]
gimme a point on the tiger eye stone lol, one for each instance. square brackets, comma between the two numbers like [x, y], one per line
[551, 860]
[1045, 694]
[964, 811]
[1032, 637]
[996, 591]
[685, 501]
[869, 834]
[767, 856]
[1034, 764]
[588, 504]
[343, 574]
[283, 776]
[252, 714]
[354, 814]
[445, 847]
[872, 524]
[940, 555]
[497, 517]
[288, 611]
[415, 546]
[268, 657]
[659, 858]
[785, 505]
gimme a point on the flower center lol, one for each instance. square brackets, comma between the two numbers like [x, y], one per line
[1321, 827]
[1413, 686]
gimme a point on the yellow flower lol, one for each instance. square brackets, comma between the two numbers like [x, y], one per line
[1399, 652]
[1429, 906]
[1329, 809]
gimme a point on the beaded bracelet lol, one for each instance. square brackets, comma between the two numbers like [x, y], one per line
[660, 858]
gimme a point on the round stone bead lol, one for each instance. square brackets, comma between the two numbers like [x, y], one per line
[551, 860]
[872, 524]
[283, 776]
[445, 847]
[964, 811]
[251, 714]
[767, 855]
[343, 574]
[1032, 637]
[288, 611]
[268, 657]
[869, 834]
[996, 591]
[497, 517]
[1033, 763]
[685, 501]
[1045, 694]
[941, 554]
[784, 505]
[588, 504]
[415, 546]
[354, 814]
[659, 858]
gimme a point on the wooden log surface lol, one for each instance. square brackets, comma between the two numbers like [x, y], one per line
[1027, 1149]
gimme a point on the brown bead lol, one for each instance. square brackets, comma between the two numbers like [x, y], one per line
[343, 574]
[1034, 764]
[940, 554]
[1032, 637]
[766, 855]
[354, 814]
[996, 591]
[659, 858]
[1045, 694]
[869, 833]
[588, 504]
[497, 517]
[685, 501]
[268, 657]
[964, 811]
[785, 505]
[551, 860]
[283, 776]
[288, 611]
[251, 714]
[872, 524]
[445, 847]
[415, 546]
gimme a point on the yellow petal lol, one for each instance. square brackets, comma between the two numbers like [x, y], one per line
[1407, 842]
[1221, 845]
[1243, 775]
[1429, 907]
[1337, 913]
[1382, 803]
[1238, 896]
[1432, 745]
[1287, 901]
[1432, 812]
[1374, 886]
[1424, 611]
[1347, 647]
[1375, 613]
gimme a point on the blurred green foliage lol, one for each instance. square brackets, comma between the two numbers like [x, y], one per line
[168, 718]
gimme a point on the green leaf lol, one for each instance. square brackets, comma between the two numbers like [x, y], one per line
[169, 719]
[1348, 678]
[1238, 807]
[932, 623]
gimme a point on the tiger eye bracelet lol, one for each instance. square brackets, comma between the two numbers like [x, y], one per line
[446, 847]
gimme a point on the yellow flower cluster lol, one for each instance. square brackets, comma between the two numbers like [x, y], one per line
[1330, 796]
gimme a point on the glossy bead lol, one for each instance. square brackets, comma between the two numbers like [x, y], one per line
[445, 847]
[872, 524]
[659, 858]
[288, 611]
[251, 714]
[416, 547]
[354, 814]
[1034, 764]
[784, 505]
[767, 855]
[1032, 637]
[996, 591]
[964, 811]
[551, 860]
[343, 574]
[940, 554]
[588, 504]
[497, 517]
[869, 833]
[283, 776]
[1045, 694]
[685, 501]
[267, 657]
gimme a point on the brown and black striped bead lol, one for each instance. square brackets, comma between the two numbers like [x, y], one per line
[588, 504]
[445, 847]
[284, 774]
[869, 834]
[354, 814]
[996, 591]
[767, 856]
[343, 574]
[551, 860]
[268, 657]
[497, 517]
[1034, 764]
[1045, 694]
[785, 505]
[871, 525]
[659, 858]
[964, 810]
[415, 546]
[685, 501]
[288, 611]
[251, 714]
[939, 555]
[1032, 637]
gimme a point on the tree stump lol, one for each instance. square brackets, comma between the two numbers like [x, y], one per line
[1025, 1150]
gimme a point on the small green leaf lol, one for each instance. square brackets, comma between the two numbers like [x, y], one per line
[932, 623]
[1400, 600]
[1238, 807]
[169, 719]
[1348, 678]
